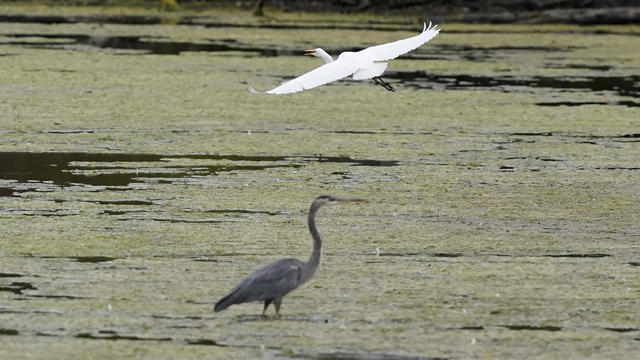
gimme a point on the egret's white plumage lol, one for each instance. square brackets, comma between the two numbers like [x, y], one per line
[364, 64]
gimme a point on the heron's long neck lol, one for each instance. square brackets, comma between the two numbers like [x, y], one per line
[316, 254]
[324, 56]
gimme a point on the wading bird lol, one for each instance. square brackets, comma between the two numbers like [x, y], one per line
[271, 282]
[369, 63]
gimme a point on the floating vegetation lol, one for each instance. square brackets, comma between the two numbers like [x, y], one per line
[139, 179]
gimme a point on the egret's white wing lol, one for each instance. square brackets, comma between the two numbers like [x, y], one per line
[394, 49]
[319, 76]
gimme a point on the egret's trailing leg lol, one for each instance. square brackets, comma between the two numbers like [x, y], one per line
[384, 84]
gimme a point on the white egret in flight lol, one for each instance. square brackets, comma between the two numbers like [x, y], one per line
[369, 63]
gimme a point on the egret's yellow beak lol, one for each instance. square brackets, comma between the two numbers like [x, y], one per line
[309, 52]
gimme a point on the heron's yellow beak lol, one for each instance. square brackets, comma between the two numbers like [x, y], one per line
[309, 52]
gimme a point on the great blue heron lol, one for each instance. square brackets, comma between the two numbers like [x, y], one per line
[271, 282]
[368, 63]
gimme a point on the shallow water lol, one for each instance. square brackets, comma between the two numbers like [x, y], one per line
[140, 180]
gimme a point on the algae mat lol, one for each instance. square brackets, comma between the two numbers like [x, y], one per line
[140, 180]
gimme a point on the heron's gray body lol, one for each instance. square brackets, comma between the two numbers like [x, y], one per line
[271, 282]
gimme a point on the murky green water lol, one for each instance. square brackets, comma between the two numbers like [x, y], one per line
[140, 180]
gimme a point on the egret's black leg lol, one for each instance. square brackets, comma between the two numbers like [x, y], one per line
[277, 302]
[384, 84]
[266, 305]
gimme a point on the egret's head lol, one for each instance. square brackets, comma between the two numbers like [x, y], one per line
[313, 52]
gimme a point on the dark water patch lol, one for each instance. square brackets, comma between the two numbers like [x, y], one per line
[448, 255]
[93, 259]
[59, 168]
[583, 31]
[122, 202]
[622, 330]
[5, 191]
[186, 221]
[65, 297]
[44, 213]
[70, 169]
[17, 287]
[189, 257]
[73, 19]
[202, 21]
[186, 326]
[582, 103]
[354, 162]
[176, 317]
[8, 275]
[128, 267]
[622, 85]
[56, 167]
[148, 44]
[81, 259]
[207, 342]
[579, 66]
[634, 136]
[409, 254]
[472, 327]
[355, 132]
[68, 131]
[46, 334]
[9, 332]
[237, 211]
[493, 49]
[8, 310]
[380, 132]
[113, 336]
[542, 133]
[309, 24]
[577, 255]
[119, 212]
[406, 254]
[616, 168]
[205, 259]
[532, 328]
[545, 158]
[159, 46]
[478, 53]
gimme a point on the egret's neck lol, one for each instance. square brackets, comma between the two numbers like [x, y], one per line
[324, 56]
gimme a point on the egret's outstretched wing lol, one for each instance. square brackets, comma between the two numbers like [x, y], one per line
[324, 74]
[394, 49]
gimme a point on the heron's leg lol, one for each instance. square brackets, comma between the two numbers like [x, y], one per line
[383, 83]
[277, 302]
[266, 305]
